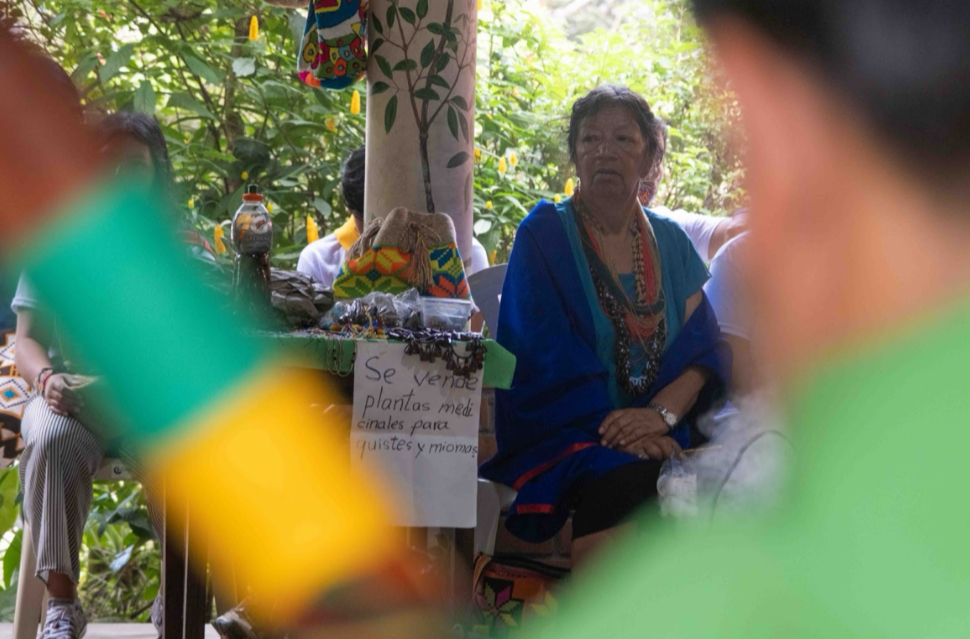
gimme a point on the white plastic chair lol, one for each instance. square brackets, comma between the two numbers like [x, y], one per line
[486, 289]
[492, 500]
[31, 605]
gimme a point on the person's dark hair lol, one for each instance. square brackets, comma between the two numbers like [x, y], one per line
[145, 130]
[352, 182]
[905, 65]
[652, 128]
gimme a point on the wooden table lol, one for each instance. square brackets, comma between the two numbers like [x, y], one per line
[187, 596]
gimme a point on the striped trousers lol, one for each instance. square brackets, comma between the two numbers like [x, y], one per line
[57, 468]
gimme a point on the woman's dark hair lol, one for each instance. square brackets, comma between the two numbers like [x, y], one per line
[905, 65]
[145, 130]
[652, 128]
[352, 182]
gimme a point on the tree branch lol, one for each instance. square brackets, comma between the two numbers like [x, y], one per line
[407, 70]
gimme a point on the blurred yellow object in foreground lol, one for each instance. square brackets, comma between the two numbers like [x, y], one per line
[270, 482]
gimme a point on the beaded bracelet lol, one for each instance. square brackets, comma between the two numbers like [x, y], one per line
[40, 382]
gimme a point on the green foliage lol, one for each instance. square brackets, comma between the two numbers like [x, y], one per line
[529, 76]
[121, 561]
[231, 107]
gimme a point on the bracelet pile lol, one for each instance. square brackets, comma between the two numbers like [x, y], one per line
[431, 344]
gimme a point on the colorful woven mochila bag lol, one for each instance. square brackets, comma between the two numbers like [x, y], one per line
[406, 250]
[332, 53]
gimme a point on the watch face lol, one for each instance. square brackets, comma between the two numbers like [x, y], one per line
[670, 419]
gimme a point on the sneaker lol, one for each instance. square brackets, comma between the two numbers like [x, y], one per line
[237, 624]
[65, 620]
[157, 615]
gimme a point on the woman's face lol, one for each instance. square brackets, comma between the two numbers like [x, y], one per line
[611, 154]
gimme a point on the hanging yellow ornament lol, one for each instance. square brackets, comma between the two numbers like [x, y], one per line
[244, 175]
[488, 205]
[312, 231]
[513, 158]
[217, 236]
[479, 5]
[478, 155]
[502, 165]
[269, 207]
[355, 103]
[557, 199]
[191, 202]
[570, 187]
[253, 29]
[331, 124]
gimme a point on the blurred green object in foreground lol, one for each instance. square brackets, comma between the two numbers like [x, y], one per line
[873, 543]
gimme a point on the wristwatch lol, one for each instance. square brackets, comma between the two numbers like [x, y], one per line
[669, 418]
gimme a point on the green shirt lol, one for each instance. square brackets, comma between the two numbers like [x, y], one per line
[874, 542]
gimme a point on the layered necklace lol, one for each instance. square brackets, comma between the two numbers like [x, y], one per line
[638, 322]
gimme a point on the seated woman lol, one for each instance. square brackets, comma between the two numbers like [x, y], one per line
[61, 455]
[617, 349]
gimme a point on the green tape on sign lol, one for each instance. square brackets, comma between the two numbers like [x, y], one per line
[135, 311]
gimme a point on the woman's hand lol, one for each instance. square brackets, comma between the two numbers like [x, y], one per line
[626, 427]
[654, 448]
[61, 397]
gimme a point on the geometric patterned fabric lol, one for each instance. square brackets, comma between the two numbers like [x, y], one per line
[387, 270]
[512, 594]
[14, 395]
[331, 54]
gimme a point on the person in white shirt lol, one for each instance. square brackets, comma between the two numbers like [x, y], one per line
[726, 292]
[708, 233]
[322, 259]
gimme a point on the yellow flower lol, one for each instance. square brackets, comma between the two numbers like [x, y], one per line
[253, 29]
[245, 175]
[557, 199]
[479, 5]
[502, 165]
[191, 202]
[488, 205]
[513, 158]
[570, 187]
[478, 155]
[269, 207]
[355, 103]
[331, 124]
[217, 236]
[312, 232]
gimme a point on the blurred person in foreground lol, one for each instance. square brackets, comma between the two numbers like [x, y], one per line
[862, 302]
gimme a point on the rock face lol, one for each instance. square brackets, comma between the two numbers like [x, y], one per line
[420, 115]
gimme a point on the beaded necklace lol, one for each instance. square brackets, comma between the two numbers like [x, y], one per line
[640, 321]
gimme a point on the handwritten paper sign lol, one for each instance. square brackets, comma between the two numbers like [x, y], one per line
[418, 424]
